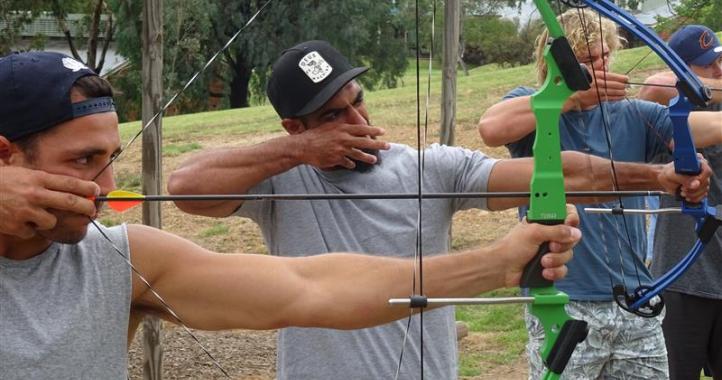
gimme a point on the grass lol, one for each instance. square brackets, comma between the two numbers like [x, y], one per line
[128, 181]
[215, 230]
[173, 150]
[501, 326]
[391, 105]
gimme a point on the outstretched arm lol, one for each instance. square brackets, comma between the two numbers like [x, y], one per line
[706, 128]
[592, 173]
[345, 291]
[663, 95]
[512, 119]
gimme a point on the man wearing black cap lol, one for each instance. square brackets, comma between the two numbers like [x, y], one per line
[67, 292]
[331, 148]
[693, 324]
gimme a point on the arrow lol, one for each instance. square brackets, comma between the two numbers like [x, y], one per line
[123, 200]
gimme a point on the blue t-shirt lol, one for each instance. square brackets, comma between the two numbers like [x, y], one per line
[609, 250]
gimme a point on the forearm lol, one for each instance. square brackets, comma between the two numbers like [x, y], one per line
[507, 121]
[706, 128]
[342, 291]
[596, 174]
[335, 303]
[231, 171]
[582, 172]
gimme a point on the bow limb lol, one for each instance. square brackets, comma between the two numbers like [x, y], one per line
[646, 300]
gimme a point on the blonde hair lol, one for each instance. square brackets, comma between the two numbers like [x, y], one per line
[582, 28]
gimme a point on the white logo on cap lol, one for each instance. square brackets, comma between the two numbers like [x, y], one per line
[315, 67]
[74, 65]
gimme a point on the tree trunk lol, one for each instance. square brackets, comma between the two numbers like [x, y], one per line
[238, 97]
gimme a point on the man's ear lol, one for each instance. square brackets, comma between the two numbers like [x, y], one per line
[7, 149]
[293, 126]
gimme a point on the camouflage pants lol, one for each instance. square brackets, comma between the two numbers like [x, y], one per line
[620, 345]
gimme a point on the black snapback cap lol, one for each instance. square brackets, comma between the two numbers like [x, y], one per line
[35, 93]
[306, 76]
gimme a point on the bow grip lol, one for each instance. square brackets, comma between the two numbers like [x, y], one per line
[685, 154]
[532, 275]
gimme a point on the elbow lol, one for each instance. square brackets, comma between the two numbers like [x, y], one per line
[178, 183]
[488, 133]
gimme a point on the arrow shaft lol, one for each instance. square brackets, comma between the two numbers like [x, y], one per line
[289, 197]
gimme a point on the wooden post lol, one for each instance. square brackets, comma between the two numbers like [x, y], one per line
[448, 79]
[152, 74]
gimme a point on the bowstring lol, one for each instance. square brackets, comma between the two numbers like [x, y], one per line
[608, 140]
[420, 145]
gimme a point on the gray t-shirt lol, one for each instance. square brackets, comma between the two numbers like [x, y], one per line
[385, 227]
[674, 236]
[64, 313]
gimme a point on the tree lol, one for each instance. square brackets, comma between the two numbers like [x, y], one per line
[492, 39]
[704, 12]
[14, 16]
[97, 31]
[366, 31]
[186, 48]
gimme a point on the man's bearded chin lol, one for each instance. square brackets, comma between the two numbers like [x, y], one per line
[70, 228]
[363, 167]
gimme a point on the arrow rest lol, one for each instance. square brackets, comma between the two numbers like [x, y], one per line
[650, 309]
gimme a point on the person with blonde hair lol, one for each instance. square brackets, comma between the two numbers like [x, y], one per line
[600, 121]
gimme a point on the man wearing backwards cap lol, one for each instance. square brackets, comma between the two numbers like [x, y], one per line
[700, 48]
[693, 324]
[67, 293]
[332, 148]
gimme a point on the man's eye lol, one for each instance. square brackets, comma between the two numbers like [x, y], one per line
[331, 116]
[82, 160]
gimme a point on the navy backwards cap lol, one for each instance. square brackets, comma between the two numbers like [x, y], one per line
[696, 45]
[35, 93]
[306, 76]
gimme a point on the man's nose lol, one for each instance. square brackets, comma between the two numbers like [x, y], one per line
[106, 181]
[355, 116]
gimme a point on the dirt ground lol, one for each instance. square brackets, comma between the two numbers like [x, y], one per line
[250, 354]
